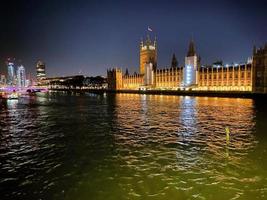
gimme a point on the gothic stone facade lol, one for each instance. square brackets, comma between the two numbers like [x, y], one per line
[249, 77]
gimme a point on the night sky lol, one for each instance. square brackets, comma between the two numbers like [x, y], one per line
[83, 36]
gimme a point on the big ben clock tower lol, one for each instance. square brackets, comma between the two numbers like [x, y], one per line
[148, 54]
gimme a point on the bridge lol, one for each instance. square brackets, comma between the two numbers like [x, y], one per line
[26, 90]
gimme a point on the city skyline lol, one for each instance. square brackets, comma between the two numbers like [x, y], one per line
[133, 99]
[88, 37]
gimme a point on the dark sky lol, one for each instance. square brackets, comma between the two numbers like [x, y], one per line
[91, 36]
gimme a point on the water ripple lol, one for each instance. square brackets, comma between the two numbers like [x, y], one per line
[68, 146]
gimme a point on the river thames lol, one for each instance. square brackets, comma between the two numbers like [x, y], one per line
[130, 146]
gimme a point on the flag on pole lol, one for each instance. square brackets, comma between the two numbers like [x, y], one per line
[149, 29]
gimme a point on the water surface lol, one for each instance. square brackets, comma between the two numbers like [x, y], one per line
[127, 146]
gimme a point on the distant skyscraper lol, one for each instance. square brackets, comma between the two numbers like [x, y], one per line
[21, 76]
[10, 73]
[40, 75]
[2, 80]
[28, 81]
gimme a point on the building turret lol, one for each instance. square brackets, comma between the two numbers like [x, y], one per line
[259, 67]
[174, 63]
[148, 40]
[191, 66]
[148, 54]
[114, 79]
[254, 49]
[126, 72]
[191, 49]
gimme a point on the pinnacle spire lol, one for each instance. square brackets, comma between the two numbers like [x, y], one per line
[254, 49]
[141, 42]
[191, 49]
[126, 72]
[174, 62]
[148, 40]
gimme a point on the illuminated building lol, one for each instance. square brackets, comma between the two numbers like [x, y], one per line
[149, 76]
[259, 63]
[236, 77]
[169, 78]
[148, 54]
[28, 80]
[2, 80]
[11, 78]
[21, 77]
[40, 72]
[76, 82]
[27, 83]
[191, 67]
[114, 78]
[250, 76]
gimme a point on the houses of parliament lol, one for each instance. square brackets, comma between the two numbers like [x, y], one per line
[250, 76]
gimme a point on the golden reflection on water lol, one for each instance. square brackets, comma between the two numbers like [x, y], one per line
[185, 137]
[129, 146]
